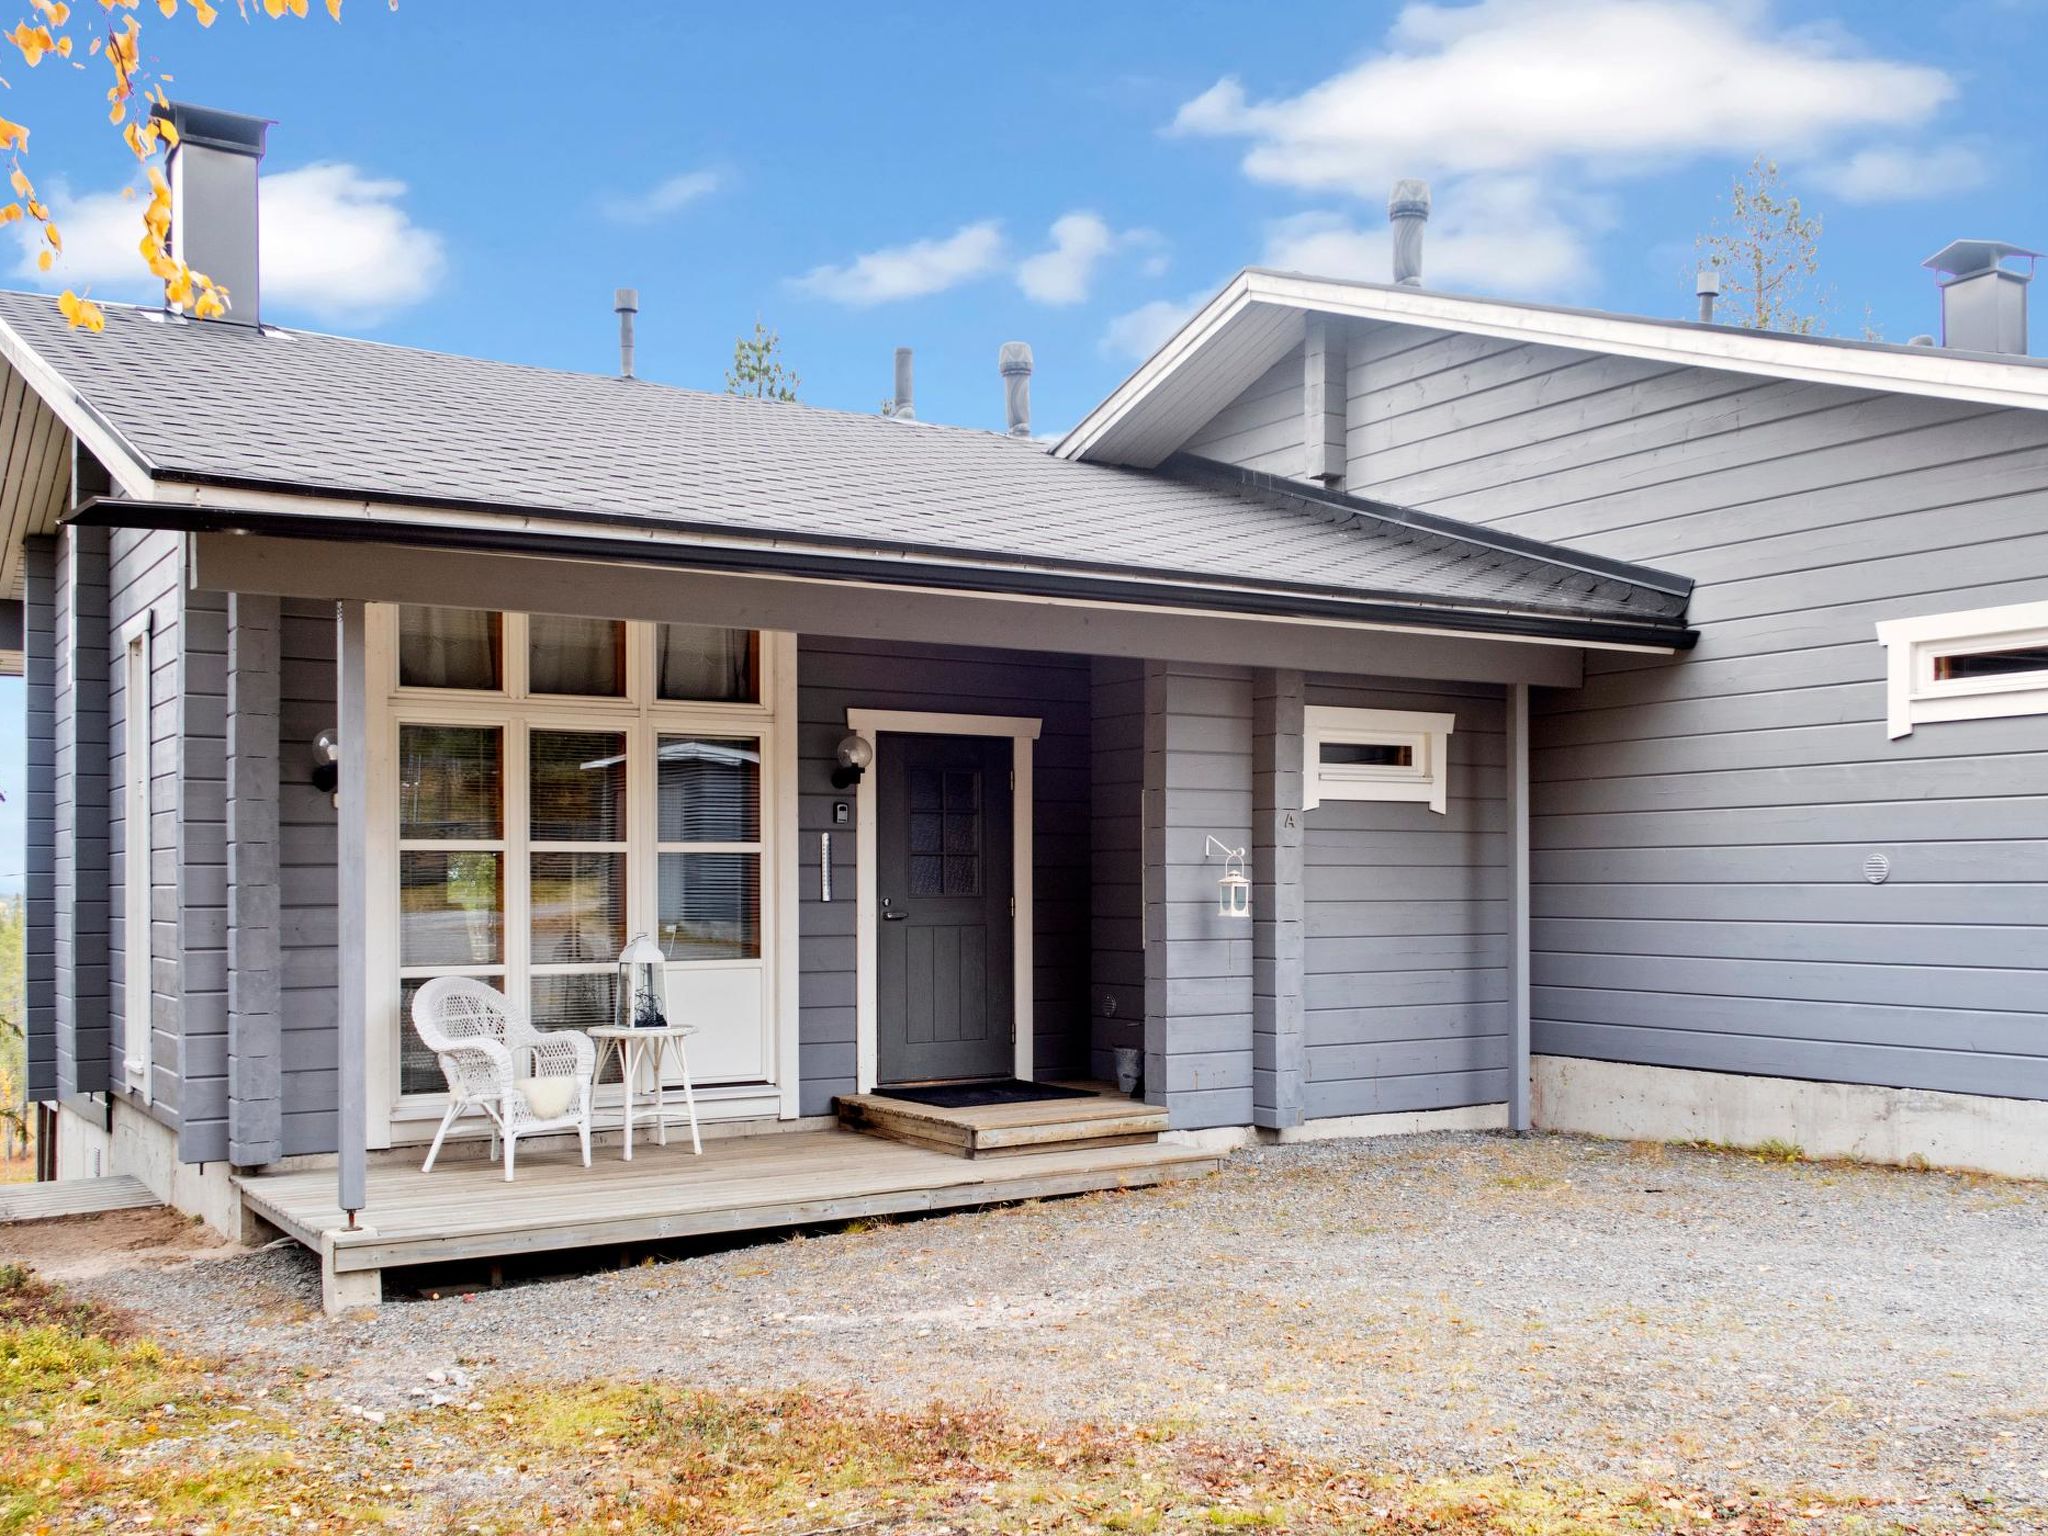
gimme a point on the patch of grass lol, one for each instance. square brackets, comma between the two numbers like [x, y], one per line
[1772, 1150]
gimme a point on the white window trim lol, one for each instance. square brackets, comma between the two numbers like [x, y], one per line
[1427, 736]
[399, 1118]
[138, 1000]
[1915, 696]
[1022, 731]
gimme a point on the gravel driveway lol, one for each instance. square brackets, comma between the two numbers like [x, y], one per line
[1426, 1304]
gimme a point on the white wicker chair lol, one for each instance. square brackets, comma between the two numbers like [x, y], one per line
[486, 1049]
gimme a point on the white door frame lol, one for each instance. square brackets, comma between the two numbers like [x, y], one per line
[1022, 731]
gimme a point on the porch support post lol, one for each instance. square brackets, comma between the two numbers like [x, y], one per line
[1518, 905]
[255, 1067]
[1278, 912]
[39, 648]
[352, 896]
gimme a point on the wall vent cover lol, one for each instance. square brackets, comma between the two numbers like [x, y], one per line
[1877, 869]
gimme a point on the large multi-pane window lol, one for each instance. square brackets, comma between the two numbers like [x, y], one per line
[565, 783]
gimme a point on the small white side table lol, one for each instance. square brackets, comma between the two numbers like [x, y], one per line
[648, 1047]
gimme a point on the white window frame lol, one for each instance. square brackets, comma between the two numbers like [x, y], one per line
[1914, 648]
[1426, 779]
[398, 1117]
[138, 988]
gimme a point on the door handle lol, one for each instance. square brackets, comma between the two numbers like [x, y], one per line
[894, 917]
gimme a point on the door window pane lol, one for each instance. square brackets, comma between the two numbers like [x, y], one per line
[451, 908]
[710, 789]
[574, 1002]
[450, 648]
[711, 906]
[582, 656]
[719, 665]
[579, 907]
[451, 781]
[578, 786]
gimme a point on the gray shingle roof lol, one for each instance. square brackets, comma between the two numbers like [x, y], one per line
[363, 419]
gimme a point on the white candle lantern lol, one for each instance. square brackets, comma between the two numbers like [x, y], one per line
[1234, 889]
[643, 985]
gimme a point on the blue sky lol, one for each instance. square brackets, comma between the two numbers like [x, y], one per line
[479, 177]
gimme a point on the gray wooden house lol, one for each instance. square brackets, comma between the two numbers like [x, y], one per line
[1622, 725]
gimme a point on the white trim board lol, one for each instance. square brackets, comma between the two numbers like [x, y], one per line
[1915, 696]
[1259, 316]
[1022, 731]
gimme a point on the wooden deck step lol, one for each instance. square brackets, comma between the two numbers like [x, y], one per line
[1107, 1119]
[74, 1197]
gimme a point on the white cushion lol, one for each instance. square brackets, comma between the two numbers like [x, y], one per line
[548, 1098]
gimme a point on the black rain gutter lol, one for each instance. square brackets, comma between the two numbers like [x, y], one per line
[807, 562]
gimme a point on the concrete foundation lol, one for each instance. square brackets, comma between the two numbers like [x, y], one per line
[1909, 1127]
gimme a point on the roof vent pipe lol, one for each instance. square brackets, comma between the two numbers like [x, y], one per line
[1706, 284]
[213, 196]
[1014, 363]
[1983, 301]
[903, 407]
[626, 301]
[1408, 211]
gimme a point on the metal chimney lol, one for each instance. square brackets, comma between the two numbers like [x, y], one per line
[1706, 284]
[1014, 363]
[1983, 301]
[904, 406]
[213, 195]
[626, 303]
[1408, 211]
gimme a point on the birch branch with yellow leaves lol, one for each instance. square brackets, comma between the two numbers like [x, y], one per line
[115, 37]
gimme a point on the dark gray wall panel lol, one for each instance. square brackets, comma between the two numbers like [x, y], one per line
[39, 811]
[306, 880]
[1116, 887]
[1701, 824]
[834, 675]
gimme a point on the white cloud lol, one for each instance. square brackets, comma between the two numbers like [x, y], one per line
[910, 271]
[1896, 172]
[336, 243]
[662, 199]
[1496, 235]
[1611, 85]
[1081, 241]
[1136, 334]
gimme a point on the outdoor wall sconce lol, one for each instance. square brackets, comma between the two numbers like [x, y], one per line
[643, 985]
[855, 754]
[327, 761]
[1234, 890]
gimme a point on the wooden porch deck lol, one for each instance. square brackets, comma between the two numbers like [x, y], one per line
[466, 1210]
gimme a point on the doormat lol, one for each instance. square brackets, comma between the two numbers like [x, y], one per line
[1012, 1090]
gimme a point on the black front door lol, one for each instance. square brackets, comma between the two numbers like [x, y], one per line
[943, 885]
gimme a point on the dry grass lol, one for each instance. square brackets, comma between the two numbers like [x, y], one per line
[104, 1429]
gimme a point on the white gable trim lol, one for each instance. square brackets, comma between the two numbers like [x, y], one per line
[1245, 329]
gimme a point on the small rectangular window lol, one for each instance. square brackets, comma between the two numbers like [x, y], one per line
[1981, 664]
[450, 648]
[585, 657]
[1367, 754]
[1963, 666]
[1375, 754]
[707, 666]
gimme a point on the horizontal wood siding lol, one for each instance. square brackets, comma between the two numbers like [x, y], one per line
[306, 879]
[143, 578]
[203, 879]
[39, 812]
[79, 710]
[1116, 887]
[1405, 979]
[1199, 1038]
[1262, 429]
[1701, 825]
[834, 675]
